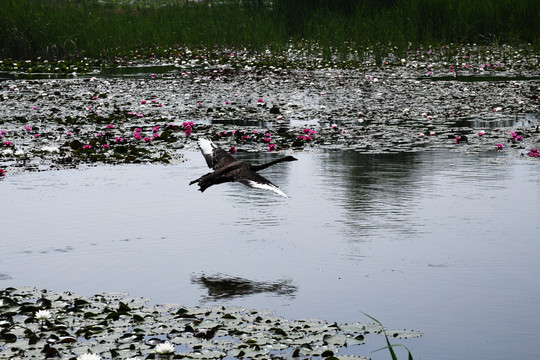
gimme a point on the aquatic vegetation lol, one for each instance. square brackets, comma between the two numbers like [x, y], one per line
[390, 346]
[115, 326]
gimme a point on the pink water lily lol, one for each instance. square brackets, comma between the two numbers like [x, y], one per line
[534, 153]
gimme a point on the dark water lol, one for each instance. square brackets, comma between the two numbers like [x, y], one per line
[440, 242]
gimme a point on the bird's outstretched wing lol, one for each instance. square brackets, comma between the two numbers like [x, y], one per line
[215, 157]
[257, 181]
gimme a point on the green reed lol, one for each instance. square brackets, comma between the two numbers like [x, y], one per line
[67, 28]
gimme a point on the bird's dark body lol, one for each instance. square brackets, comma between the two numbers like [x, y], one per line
[228, 169]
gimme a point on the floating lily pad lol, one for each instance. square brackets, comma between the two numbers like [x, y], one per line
[105, 325]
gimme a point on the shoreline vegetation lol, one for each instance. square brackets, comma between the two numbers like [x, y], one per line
[346, 29]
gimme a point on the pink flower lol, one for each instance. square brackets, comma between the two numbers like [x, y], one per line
[143, 102]
[86, 147]
[481, 133]
[155, 129]
[232, 150]
[421, 134]
[2, 172]
[271, 147]
[36, 135]
[138, 129]
[304, 137]
[260, 101]
[499, 146]
[109, 126]
[105, 146]
[267, 139]
[534, 153]
[137, 136]
[147, 139]
[8, 143]
[69, 133]
[98, 134]
[27, 128]
[3, 132]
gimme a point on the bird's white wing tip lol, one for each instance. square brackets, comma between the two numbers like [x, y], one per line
[270, 187]
[206, 146]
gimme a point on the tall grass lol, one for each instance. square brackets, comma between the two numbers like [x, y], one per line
[64, 28]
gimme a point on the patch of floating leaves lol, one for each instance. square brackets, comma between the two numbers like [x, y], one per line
[43, 324]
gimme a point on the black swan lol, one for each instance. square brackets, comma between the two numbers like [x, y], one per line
[228, 169]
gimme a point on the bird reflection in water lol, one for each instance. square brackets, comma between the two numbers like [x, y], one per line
[222, 286]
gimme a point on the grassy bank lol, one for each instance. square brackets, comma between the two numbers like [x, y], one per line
[67, 28]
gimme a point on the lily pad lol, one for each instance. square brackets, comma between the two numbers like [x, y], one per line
[105, 325]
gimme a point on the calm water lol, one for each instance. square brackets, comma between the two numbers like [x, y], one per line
[444, 243]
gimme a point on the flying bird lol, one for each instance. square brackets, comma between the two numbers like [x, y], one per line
[228, 169]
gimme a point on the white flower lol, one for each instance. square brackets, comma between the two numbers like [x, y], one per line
[43, 315]
[164, 348]
[89, 357]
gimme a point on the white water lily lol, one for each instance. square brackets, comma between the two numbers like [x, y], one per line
[89, 357]
[164, 348]
[43, 315]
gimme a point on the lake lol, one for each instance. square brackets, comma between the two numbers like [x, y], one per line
[441, 242]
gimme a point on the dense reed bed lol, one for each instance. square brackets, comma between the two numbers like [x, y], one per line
[71, 28]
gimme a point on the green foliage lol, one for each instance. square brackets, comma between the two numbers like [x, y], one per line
[74, 28]
[390, 346]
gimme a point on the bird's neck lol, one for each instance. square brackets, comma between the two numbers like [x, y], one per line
[264, 166]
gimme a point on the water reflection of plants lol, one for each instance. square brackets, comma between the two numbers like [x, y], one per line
[41, 323]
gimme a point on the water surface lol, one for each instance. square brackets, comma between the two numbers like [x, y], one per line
[440, 242]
